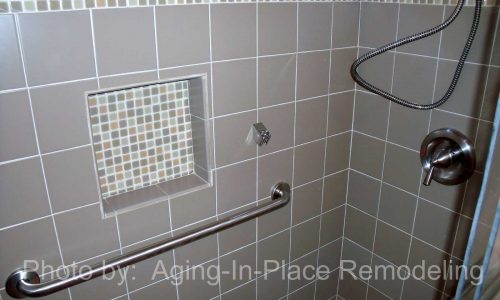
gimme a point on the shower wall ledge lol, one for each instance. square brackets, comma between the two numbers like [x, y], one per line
[25, 6]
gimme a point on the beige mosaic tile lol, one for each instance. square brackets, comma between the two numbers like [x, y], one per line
[14, 6]
[141, 136]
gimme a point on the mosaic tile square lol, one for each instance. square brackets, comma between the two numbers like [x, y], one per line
[141, 136]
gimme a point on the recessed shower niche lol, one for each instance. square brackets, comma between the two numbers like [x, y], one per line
[151, 142]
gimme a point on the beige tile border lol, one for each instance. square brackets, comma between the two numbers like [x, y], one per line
[23, 6]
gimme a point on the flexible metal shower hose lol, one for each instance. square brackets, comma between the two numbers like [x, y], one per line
[416, 37]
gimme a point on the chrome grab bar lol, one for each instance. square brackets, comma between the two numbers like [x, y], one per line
[24, 283]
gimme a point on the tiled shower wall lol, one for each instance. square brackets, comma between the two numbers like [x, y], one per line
[284, 64]
[391, 219]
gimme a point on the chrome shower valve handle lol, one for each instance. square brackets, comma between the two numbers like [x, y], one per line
[447, 156]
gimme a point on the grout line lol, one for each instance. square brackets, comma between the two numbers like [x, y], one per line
[121, 253]
[395, 265]
[432, 57]
[385, 153]
[294, 140]
[257, 147]
[440, 109]
[173, 250]
[21, 48]
[385, 141]
[215, 172]
[89, 145]
[325, 148]
[350, 148]
[155, 25]
[92, 31]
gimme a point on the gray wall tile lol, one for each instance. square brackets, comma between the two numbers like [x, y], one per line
[116, 52]
[301, 285]
[174, 23]
[312, 74]
[378, 71]
[229, 184]
[340, 112]
[71, 178]
[77, 228]
[363, 192]
[22, 190]
[234, 86]
[231, 143]
[330, 254]
[278, 120]
[233, 31]
[245, 256]
[246, 291]
[198, 287]
[414, 77]
[335, 190]
[466, 98]
[385, 16]
[369, 163]
[442, 119]
[53, 42]
[127, 79]
[306, 201]
[359, 227]
[439, 232]
[193, 207]
[11, 74]
[197, 252]
[307, 292]
[144, 223]
[274, 221]
[491, 94]
[272, 249]
[21, 240]
[99, 287]
[272, 286]
[345, 13]
[60, 115]
[416, 18]
[332, 225]
[305, 238]
[403, 120]
[449, 196]
[371, 115]
[272, 169]
[315, 21]
[327, 289]
[236, 237]
[277, 37]
[159, 290]
[391, 243]
[356, 253]
[276, 79]
[337, 153]
[421, 251]
[16, 126]
[309, 160]
[454, 37]
[310, 121]
[397, 208]
[390, 287]
[402, 168]
[340, 78]
[350, 288]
